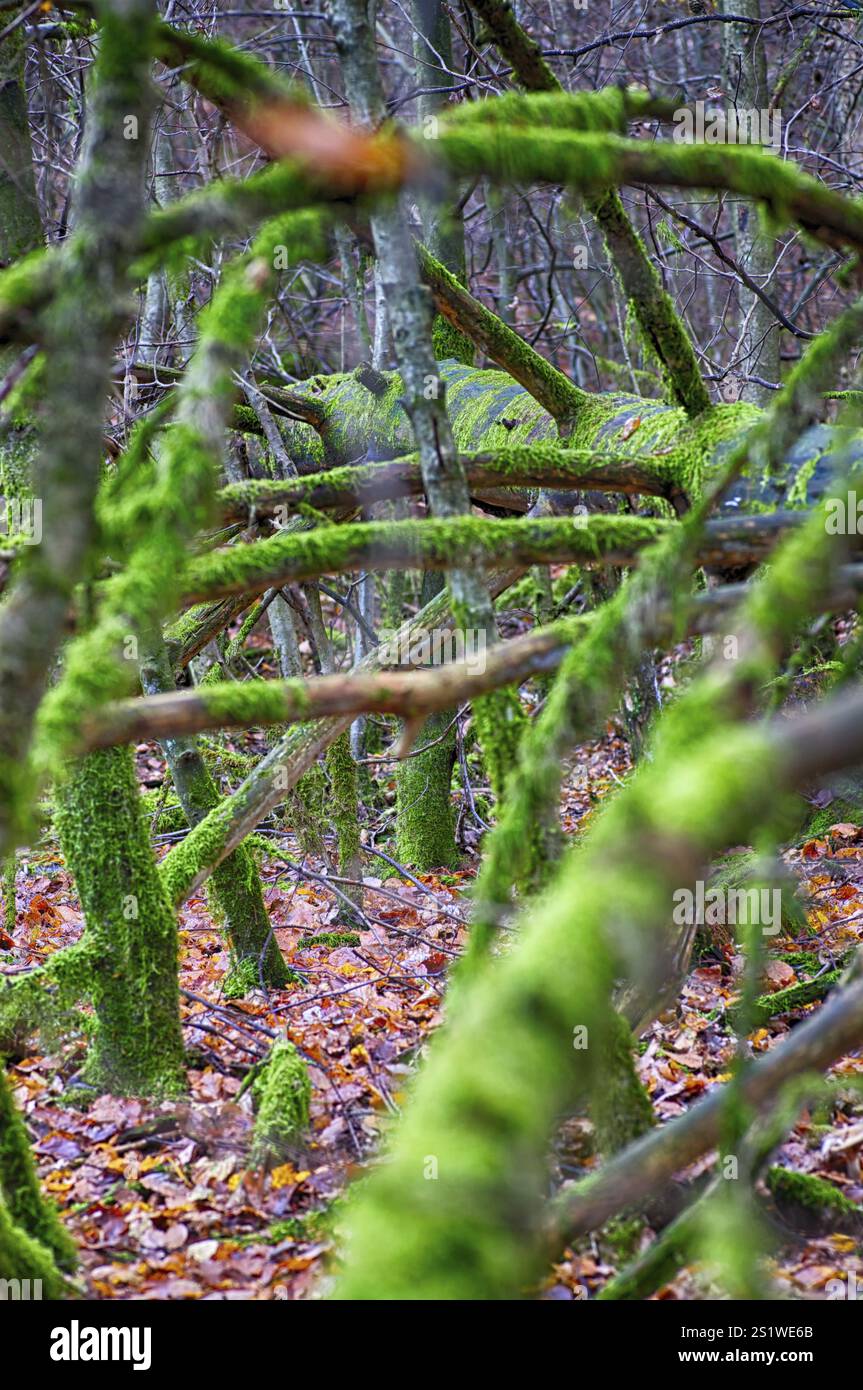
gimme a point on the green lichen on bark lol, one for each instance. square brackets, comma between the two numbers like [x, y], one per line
[131, 928]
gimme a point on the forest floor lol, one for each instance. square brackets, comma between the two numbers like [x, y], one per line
[160, 1197]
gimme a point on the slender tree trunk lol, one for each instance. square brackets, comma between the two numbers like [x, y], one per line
[424, 390]
[745, 81]
[236, 885]
[20, 232]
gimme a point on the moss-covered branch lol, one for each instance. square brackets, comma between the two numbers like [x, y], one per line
[80, 326]
[235, 704]
[824, 1038]
[488, 541]
[595, 161]
[188, 865]
[507, 1067]
[661, 326]
[605, 915]
[159, 504]
[529, 466]
[555, 392]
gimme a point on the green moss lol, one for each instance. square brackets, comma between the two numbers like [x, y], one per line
[239, 905]
[20, 1197]
[221, 72]
[247, 703]
[839, 812]
[425, 822]
[282, 1092]
[305, 810]
[342, 807]
[801, 960]
[23, 1258]
[449, 344]
[609, 109]
[9, 904]
[600, 160]
[330, 939]
[429, 543]
[813, 1204]
[620, 1109]
[46, 999]
[785, 1001]
[131, 930]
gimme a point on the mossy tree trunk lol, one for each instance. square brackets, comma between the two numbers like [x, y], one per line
[236, 885]
[424, 818]
[23, 1209]
[131, 930]
[425, 824]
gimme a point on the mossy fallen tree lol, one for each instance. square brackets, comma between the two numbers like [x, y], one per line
[623, 443]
